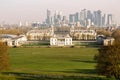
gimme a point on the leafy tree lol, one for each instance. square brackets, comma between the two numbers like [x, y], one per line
[116, 35]
[108, 60]
[104, 32]
[4, 56]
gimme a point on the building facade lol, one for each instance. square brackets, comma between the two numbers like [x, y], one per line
[60, 40]
[80, 34]
[13, 40]
[41, 34]
[108, 41]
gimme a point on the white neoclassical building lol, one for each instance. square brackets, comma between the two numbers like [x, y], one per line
[41, 34]
[61, 40]
[17, 41]
[80, 34]
[13, 40]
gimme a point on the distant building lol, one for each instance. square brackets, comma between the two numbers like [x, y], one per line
[13, 40]
[100, 39]
[58, 18]
[36, 24]
[48, 19]
[110, 20]
[89, 23]
[41, 34]
[61, 40]
[6, 37]
[97, 18]
[83, 17]
[79, 34]
[77, 16]
[71, 19]
[17, 41]
[108, 41]
[103, 40]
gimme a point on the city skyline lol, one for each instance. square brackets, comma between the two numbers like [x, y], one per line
[14, 11]
[85, 18]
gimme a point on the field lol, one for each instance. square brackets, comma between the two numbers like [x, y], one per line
[53, 61]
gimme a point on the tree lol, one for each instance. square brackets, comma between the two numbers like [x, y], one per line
[104, 32]
[116, 35]
[108, 60]
[4, 57]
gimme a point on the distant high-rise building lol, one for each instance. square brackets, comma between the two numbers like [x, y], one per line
[58, 17]
[89, 15]
[97, 18]
[89, 23]
[71, 18]
[77, 17]
[103, 20]
[52, 21]
[55, 17]
[65, 20]
[48, 20]
[89, 18]
[83, 17]
[83, 14]
[86, 18]
[109, 19]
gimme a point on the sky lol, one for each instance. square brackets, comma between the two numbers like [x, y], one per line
[14, 11]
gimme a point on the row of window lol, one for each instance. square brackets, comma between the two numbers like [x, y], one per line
[67, 43]
[61, 40]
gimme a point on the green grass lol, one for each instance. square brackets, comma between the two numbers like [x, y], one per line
[36, 44]
[53, 60]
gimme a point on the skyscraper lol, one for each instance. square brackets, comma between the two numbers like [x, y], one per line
[104, 20]
[109, 19]
[83, 17]
[83, 14]
[55, 17]
[77, 17]
[48, 20]
[89, 15]
[58, 17]
[71, 18]
[97, 18]
[89, 18]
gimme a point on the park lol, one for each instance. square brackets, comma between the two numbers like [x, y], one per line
[53, 63]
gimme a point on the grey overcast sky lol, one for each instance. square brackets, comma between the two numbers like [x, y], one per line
[14, 11]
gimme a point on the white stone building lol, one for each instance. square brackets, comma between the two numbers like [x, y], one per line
[17, 41]
[60, 40]
[80, 34]
[108, 41]
[13, 40]
[41, 34]
[6, 37]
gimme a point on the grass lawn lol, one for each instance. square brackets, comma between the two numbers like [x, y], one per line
[53, 60]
